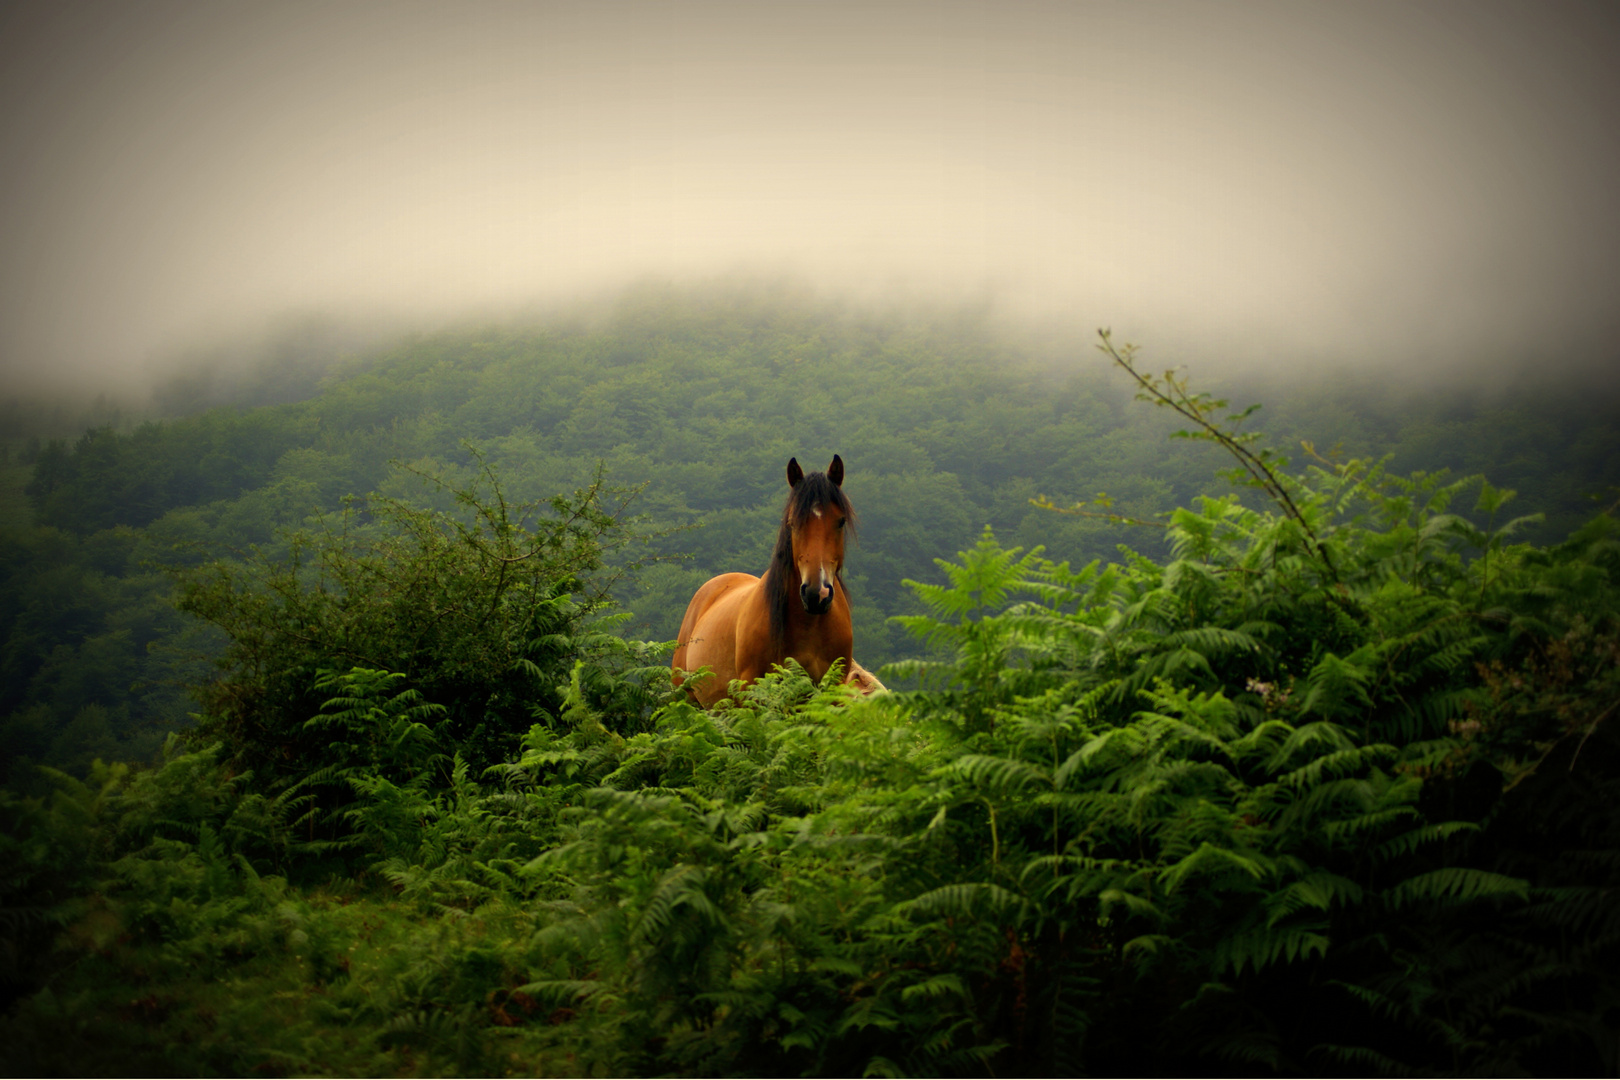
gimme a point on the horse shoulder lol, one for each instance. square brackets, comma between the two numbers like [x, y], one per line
[709, 631]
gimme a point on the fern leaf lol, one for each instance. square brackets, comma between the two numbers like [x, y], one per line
[997, 773]
[935, 988]
[1321, 733]
[1319, 889]
[968, 899]
[1258, 949]
[1209, 859]
[1409, 841]
[1456, 883]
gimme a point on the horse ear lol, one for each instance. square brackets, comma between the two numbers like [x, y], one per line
[835, 471]
[795, 474]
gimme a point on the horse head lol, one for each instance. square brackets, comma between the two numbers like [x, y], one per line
[815, 522]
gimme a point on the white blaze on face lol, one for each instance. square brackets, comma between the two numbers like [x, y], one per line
[822, 573]
[820, 576]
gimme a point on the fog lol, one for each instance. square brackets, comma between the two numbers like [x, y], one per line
[1429, 186]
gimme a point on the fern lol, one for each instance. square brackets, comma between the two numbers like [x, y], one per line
[1455, 883]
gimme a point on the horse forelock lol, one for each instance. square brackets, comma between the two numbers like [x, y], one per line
[804, 499]
[810, 495]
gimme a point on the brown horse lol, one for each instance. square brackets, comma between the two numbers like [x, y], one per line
[740, 626]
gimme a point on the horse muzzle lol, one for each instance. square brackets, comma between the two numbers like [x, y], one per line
[817, 598]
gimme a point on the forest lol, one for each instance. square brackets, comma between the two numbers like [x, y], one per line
[338, 734]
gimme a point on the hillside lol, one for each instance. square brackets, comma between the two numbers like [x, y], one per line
[698, 399]
[1309, 774]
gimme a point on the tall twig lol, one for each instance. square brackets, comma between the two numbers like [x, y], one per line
[1197, 408]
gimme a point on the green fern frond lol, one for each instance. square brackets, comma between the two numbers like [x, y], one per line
[1217, 641]
[556, 992]
[1134, 904]
[1319, 889]
[1455, 883]
[1265, 739]
[936, 988]
[1261, 948]
[1207, 859]
[967, 899]
[1339, 763]
[1365, 1059]
[1412, 839]
[1336, 687]
[1374, 823]
[1306, 737]
[996, 773]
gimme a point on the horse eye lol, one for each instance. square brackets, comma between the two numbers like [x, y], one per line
[840, 523]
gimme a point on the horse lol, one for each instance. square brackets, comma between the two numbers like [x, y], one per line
[740, 626]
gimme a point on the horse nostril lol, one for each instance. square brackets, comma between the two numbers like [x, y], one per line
[817, 599]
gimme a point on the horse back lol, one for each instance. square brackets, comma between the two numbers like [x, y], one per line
[710, 629]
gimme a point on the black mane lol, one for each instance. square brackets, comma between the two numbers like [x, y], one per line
[814, 491]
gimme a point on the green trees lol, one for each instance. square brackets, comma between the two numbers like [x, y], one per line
[700, 391]
[110, 479]
[483, 609]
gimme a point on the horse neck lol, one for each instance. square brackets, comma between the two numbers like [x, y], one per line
[812, 638]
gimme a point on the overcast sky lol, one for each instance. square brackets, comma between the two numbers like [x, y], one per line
[1430, 182]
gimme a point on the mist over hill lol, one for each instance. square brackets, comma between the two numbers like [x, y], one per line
[1307, 185]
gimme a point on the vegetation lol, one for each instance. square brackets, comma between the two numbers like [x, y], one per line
[947, 427]
[1322, 778]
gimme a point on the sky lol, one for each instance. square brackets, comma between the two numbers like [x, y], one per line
[1426, 186]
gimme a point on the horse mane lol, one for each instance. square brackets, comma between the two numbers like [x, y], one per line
[813, 491]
